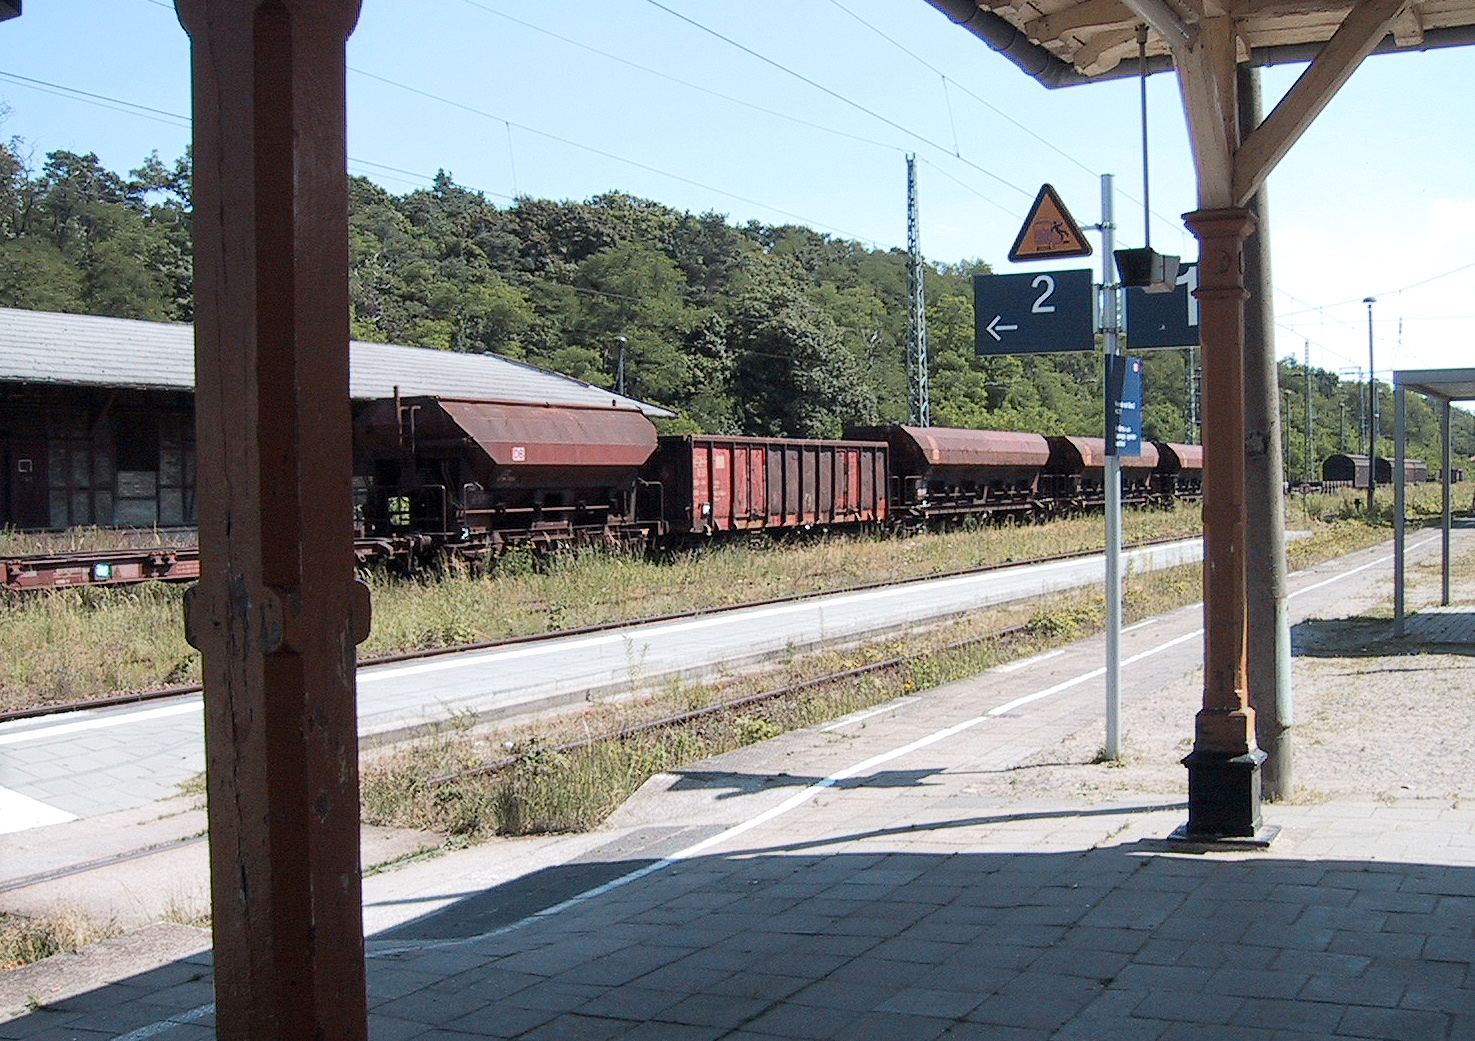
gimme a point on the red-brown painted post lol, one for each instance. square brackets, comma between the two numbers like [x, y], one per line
[277, 613]
[1223, 768]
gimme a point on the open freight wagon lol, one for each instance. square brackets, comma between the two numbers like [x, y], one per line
[710, 485]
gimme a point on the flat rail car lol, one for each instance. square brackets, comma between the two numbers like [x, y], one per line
[116, 567]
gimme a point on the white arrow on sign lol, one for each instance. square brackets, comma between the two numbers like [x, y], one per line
[994, 328]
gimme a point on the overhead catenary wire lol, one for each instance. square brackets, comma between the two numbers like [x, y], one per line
[607, 154]
[923, 138]
[180, 120]
[475, 4]
[788, 117]
[1386, 292]
[985, 103]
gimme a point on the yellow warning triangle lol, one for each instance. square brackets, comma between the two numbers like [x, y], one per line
[1049, 231]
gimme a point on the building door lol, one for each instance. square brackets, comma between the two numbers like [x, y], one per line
[25, 491]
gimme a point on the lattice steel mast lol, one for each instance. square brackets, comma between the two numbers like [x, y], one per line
[919, 409]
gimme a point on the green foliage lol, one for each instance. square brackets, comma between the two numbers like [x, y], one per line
[80, 238]
[1339, 422]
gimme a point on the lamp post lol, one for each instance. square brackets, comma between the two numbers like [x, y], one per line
[620, 342]
[1372, 414]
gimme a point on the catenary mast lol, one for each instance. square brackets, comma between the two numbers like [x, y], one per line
[920, 411]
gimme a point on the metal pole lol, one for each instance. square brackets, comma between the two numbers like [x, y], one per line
[1446, 519]
[1398, 506]
[1113, 489]
[1372, 417]
[620, 342]
[1306, 474]
[1268, 653]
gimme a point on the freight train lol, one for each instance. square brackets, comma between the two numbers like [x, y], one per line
[1350, 471]
[474, 477]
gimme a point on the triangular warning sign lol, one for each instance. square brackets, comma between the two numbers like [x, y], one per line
[1049, 231]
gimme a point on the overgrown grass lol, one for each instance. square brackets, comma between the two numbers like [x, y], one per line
[525, 596]
[25, 543]
[80, 643]
[25, 940]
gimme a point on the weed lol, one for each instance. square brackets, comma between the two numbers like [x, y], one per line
[24, 939]
[752, 729]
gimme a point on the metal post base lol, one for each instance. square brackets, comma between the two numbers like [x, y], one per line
[1224, 799]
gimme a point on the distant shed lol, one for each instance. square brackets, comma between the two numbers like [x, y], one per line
[97, 414]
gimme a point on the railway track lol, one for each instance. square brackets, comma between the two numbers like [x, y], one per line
[170, 847]
[680, 719]
[163, 693]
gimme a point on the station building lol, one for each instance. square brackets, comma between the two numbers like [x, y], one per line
[97, 414]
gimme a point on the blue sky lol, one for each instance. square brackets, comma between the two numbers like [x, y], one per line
[803, 111]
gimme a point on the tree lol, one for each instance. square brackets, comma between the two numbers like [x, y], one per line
[793, 376]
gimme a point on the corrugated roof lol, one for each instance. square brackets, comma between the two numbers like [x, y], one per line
[91, 351]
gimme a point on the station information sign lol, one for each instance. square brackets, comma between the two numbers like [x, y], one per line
[1033, 313]
[1164, 319]
[1123, 405]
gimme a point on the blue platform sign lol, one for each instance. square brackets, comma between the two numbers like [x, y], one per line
[1123, 405]
[1164, 319]
[1033, 313]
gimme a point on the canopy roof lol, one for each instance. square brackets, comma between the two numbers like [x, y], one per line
[1446, 384]
[1065, 42]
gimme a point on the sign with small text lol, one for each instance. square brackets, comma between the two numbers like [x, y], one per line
[1123, 405]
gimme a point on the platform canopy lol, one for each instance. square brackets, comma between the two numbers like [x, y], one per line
[1445, 386]
[1065, 42]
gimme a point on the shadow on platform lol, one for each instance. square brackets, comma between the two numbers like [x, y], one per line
[1431, 631]
[804, 941]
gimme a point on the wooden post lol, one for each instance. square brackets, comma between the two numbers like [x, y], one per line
[277, 613]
